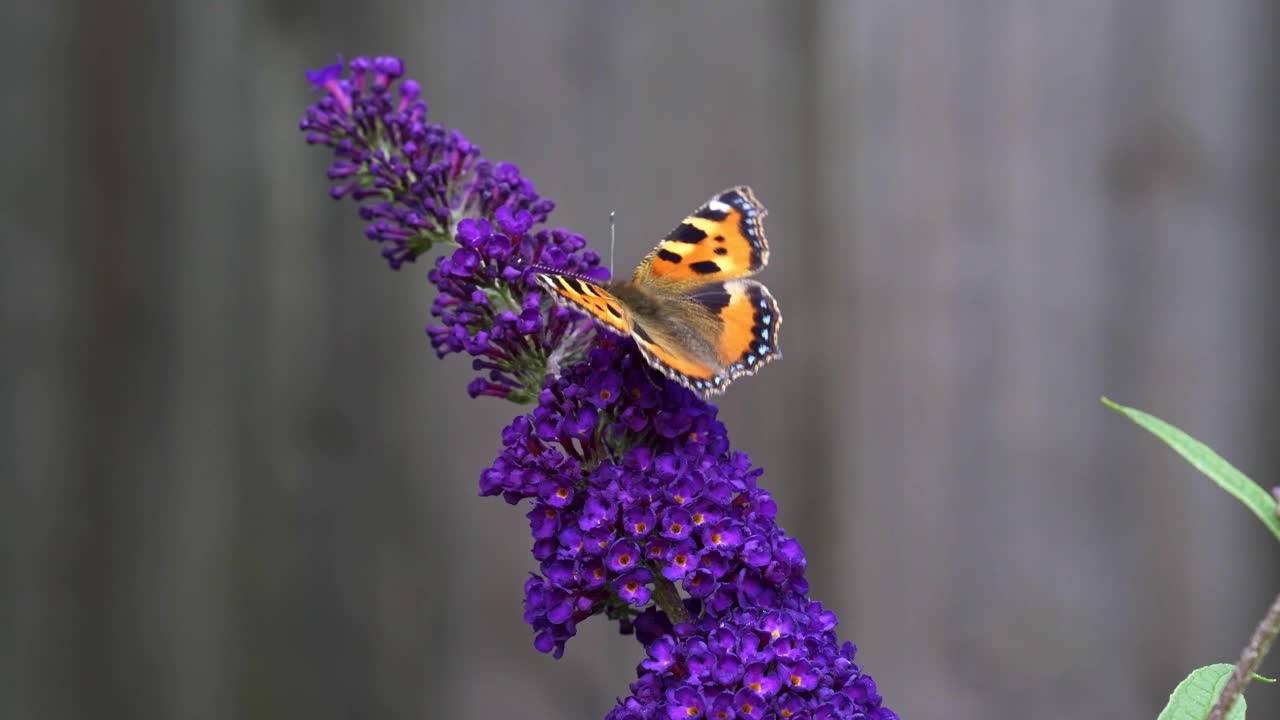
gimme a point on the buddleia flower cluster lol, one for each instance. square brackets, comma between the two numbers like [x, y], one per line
[639, 509]
[422, 185]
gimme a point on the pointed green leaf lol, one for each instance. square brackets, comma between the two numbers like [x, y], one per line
[1210, 463]
[1195, 696]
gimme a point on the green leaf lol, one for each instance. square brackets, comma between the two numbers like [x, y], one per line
[1210, 463]
[1195, 696]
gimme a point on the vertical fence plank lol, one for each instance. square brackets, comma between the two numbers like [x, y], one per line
[989, 309]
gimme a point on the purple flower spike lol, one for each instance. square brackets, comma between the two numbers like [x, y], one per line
[638, 508]
[692, 511]
[416, 178]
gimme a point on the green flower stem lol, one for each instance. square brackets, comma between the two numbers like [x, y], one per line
[668, 599]
[1250, 660]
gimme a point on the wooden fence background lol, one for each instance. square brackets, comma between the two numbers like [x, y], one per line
[235, 482]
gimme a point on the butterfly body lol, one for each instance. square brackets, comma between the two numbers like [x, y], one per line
[672, 320]
[689, 306]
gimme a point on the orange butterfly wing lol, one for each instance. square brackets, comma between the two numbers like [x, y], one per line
[721, 240]
[676, 362]
[750, 321]
[589, 298]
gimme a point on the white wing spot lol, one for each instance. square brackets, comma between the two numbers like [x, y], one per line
[718, 206]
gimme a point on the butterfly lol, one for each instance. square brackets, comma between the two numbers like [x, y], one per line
[690, 306]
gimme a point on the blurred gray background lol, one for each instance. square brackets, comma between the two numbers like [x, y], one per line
[236, 483]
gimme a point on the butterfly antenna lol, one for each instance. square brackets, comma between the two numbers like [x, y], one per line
[548, 270]
[612, 239]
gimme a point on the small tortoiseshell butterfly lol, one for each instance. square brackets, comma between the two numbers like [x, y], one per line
[689, 306]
